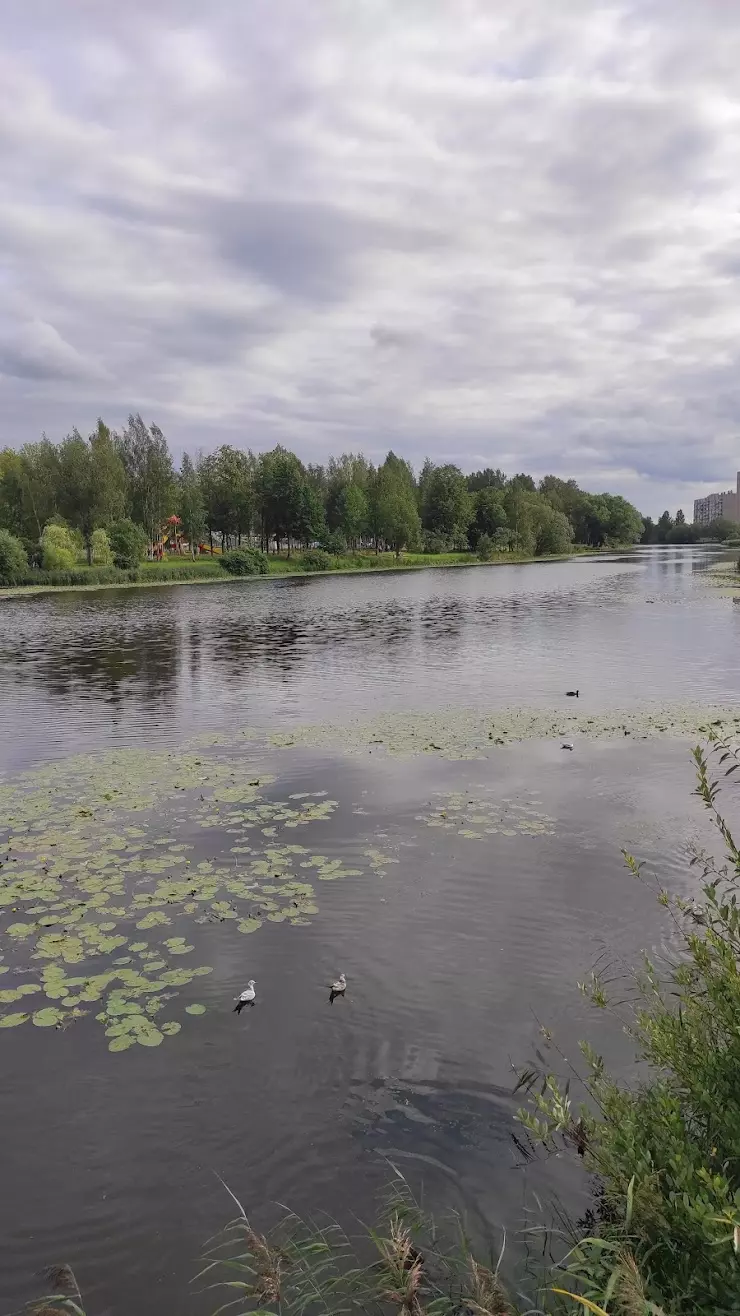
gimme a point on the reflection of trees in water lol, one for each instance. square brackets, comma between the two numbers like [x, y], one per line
[282, 640]
[106, 662]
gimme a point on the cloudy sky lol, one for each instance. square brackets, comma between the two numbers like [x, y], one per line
[500, 233]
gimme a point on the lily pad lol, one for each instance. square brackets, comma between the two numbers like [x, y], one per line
[47, 1018]
[13, 1020]
[195, 1009]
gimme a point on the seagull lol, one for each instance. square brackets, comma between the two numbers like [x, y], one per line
[340, 986]
[567, 744]
[246, 998]
[572, 694]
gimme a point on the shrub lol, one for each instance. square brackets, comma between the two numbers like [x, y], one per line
[431, 542]
[245, 562]
[128, 543]
[333, 542]
[315, 560]
[486, 548]
[58, 550]
[666, 1151]
[13, 558]
[101, 549]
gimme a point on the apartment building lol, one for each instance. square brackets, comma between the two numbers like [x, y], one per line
[726, 505]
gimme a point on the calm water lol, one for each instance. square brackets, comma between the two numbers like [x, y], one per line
[456, 948]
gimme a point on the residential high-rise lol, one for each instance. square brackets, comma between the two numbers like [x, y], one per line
[725, 505]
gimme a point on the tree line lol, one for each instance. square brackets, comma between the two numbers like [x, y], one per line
[666, 530]
[231, 497]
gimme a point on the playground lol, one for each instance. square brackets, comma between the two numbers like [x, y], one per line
[172, 543]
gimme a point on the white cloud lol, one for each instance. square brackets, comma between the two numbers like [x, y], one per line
[502, 234]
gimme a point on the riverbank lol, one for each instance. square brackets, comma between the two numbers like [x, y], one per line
[205, 570]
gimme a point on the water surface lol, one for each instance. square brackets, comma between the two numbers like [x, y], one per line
[496, 885]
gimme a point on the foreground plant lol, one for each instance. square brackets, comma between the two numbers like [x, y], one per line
[666, 1233]
[663, 1238]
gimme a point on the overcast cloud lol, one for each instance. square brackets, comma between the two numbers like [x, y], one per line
[496, 233]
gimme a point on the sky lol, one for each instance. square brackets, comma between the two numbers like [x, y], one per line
[494, 233]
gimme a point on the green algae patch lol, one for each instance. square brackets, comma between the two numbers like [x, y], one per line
[95, 874]
[477, 814]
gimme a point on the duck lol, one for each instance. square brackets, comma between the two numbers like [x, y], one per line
[567, 744]
[246, 998]
[572, 694]
[340, 986]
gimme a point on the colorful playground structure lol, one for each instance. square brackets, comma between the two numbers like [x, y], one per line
[171, 540]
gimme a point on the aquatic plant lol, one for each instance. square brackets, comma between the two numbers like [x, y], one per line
[101, 853]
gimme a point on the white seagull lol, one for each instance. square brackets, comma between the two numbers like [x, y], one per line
[246, 998]
[340, 986]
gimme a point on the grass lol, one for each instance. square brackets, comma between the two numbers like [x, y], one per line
[172, 571]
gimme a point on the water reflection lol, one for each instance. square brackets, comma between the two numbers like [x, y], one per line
[175, 660]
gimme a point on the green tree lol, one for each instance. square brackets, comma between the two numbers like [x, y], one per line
[446, 504]
[352, 512]
[29, 488]
[190, 505]
[487, 479]
[722, 529]
[128, 543]
[664, 527]
[394, 514]
[13, 559]
[489, 514]
[553, 530]
[91, 482]
[310, 523]
[102, 554]
[680, 517]
[228, 484]
[280, 484]
[58, 548]
[150, 475]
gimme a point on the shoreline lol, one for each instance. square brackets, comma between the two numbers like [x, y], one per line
[508, 560]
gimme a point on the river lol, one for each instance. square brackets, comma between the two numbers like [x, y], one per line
[284, 779]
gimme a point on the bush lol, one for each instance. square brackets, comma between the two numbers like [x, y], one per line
[13, 558]
[101, 549]
[245, 562]
[333, 542]
[315, 560]
[431, 542]
[666, 1151]
[58, 549]
[128, 544]
[486, 548]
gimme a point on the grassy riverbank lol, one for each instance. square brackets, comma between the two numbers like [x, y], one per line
[207, 569]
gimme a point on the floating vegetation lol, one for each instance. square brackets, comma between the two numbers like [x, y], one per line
[477, 815]
[99, 856]
[464, 733]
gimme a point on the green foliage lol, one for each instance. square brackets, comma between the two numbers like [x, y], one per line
[315, 560]
[667, 1152]
[58, 552]
[101, 552]
[333, 542]
[92, 482]
[486, 548]
[221, 497]
[244, 562]
[190, 503]
[128, 543]
[446, 507]
[392, 510]
[13, 559]
[489, 514]
[150, 476]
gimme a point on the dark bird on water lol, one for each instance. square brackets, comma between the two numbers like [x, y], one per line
[572, 694]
